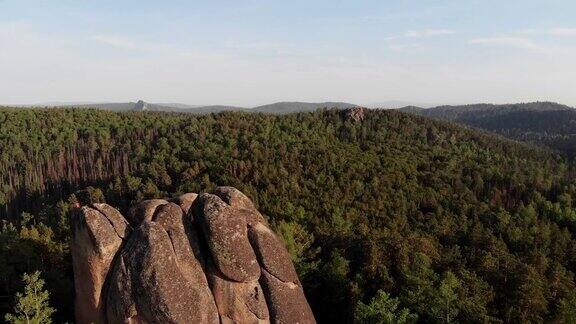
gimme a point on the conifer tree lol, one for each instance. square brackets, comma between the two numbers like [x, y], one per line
[32, 307]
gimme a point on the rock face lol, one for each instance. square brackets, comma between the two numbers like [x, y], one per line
[355, 114]
[208, 258]
[98, 232]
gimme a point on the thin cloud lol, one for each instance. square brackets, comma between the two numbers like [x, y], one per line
[558, 31]
[424, 33]
[114, 41]
[571, 32]
[402, 47]
[428, 33]
[507, 41]
[263, 47]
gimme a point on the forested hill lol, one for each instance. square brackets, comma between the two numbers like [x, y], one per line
[544, 123]
[451, 223]
[468, 112]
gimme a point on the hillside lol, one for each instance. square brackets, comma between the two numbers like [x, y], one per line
[442, 219]
[543, 123]
[469, 112]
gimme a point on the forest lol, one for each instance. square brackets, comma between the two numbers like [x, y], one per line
[398, 215]
[546, 124]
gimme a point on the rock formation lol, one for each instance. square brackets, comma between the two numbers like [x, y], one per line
[208, 258]
[140, 106]
[355, 114]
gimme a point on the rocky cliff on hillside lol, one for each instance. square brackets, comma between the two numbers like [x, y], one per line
[208, 258]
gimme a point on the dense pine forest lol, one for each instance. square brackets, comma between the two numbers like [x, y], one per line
[545, 124]
[450, 224]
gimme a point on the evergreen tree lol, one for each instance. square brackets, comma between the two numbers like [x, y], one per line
[32, 306]
[383, 309]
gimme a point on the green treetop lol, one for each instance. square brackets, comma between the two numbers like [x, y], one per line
[32, 306]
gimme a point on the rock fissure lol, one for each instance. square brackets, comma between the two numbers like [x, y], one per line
[112, 224]
[282, 281]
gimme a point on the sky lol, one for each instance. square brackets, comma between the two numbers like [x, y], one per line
[248, 53]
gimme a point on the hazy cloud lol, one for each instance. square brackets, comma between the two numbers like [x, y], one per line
[558, 31]
[507, 41]
[114, 41]
[402, 47]
[424, 33]
[563, 32]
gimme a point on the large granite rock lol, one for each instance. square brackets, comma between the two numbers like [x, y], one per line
[192, 259]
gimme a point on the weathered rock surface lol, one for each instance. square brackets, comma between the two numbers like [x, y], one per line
[243, 204]
[287, 301]
[272, 254]
[238, 302]
[157, 290]
[226, 232]
[98, 233]
[193, 259]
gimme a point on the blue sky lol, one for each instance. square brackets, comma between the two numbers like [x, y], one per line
[254, 52]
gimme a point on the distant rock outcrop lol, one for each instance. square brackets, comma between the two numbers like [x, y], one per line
[194, 259]
[141, 106]
[355, 114]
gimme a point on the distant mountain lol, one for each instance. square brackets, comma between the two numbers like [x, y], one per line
[413, 109]
[396, 104]
[275, 108]
[145, 106]
[214, 109]
[290, 107]
[59, 104]
[129, 106]
[543, 123]
[179, 105]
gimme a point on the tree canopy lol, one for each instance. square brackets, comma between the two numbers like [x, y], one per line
[452, 224]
